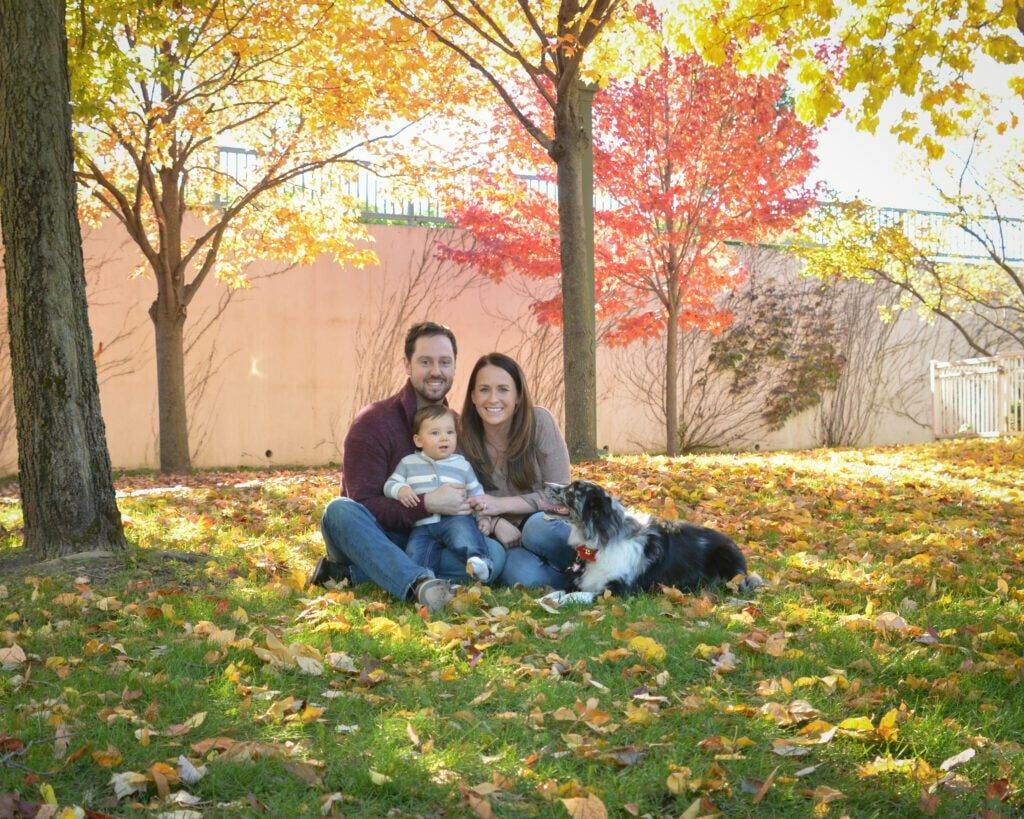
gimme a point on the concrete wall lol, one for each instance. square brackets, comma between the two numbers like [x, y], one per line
[277, 377]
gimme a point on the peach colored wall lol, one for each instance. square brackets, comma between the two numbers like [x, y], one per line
[283, 364]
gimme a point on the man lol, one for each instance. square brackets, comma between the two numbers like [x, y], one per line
[364, 531]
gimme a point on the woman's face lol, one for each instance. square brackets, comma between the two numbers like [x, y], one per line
[495, 396]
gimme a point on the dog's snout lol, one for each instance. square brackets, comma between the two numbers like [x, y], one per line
[556, 491]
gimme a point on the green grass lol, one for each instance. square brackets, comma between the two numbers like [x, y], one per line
[530, 707]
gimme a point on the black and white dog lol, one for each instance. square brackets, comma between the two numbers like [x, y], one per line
[626, 552]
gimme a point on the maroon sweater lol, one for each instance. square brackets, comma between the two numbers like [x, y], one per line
[380, 436]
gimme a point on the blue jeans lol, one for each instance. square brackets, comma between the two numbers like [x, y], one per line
[353, 537]
[457, 534]
[544, 556]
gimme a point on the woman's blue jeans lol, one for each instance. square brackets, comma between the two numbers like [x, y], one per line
[544, 556]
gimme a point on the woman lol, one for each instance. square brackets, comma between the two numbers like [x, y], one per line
[515, 448]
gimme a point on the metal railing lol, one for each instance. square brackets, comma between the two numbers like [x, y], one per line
[978, 396]
[378, 202]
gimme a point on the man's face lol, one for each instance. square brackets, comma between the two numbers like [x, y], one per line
[431, 368]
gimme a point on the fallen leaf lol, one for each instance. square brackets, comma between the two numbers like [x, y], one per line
[189, 773]
[760, 794]
[109, 758]
[129, 782]
[957, 759]
[649, 649]
[586, 807]
[12, 657]
[61, 739]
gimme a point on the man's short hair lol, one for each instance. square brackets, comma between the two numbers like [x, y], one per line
[424, 329]
[429, 412]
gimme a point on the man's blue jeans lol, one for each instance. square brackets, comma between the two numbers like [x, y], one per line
[544, 556]
[457, 534]
[353, 537]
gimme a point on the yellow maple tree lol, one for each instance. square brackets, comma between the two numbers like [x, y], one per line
[218, 132]
[861, 54]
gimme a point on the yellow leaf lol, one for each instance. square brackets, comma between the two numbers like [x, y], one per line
[856, 725]
[649, 649]
[678, 781]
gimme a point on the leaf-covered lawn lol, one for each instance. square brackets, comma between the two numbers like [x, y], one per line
[879, 674]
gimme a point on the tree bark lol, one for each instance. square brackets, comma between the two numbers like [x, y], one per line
[169, 327]
[579, 334]
[672, 383]
[64, 467]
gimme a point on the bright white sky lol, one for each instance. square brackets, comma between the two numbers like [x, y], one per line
[884, 172]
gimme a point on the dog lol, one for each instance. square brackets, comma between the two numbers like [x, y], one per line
[627, 553]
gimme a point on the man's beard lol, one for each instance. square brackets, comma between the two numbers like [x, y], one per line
[441, 385]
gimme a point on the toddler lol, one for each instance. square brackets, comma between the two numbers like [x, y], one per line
[437, 463]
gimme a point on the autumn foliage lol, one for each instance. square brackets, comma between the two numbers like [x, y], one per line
[299, 96]
[690, 159]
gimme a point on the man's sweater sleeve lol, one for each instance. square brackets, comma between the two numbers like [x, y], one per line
[366, 471]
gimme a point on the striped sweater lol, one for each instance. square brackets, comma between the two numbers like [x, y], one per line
[423, 474]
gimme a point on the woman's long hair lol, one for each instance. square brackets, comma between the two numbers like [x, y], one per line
[520, 463]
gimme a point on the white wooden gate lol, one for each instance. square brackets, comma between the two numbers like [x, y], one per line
[978, 396]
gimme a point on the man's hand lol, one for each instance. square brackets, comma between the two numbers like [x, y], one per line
[449, 499]
[407, 497]
[506, 534]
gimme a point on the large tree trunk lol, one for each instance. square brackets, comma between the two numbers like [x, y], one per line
[67, 489]
[672, 384]
[579, 345]
[169, 326]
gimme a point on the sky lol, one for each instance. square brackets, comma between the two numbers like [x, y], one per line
[884, 172]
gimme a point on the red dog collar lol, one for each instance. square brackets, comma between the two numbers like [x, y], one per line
[586, 554]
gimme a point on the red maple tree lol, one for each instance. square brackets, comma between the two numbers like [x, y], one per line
[691, 158]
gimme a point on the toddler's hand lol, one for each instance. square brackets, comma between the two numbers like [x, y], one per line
[407, 497]
[485, 523]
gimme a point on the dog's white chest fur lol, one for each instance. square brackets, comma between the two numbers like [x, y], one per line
[622, 560]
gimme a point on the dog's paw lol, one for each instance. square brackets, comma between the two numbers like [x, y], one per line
[552, 600]
[579, 597]
[752, 582]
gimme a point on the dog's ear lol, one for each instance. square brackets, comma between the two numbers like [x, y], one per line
[604, 516]
[596, 508]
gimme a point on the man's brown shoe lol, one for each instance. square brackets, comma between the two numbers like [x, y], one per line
[434, 593]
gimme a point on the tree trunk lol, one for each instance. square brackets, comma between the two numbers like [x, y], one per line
[64, 469]
[672, 384]
[579, 344]
[169, 325]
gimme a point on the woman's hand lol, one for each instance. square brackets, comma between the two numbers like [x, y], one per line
[506, 534]
[485, 523]
[488, 505]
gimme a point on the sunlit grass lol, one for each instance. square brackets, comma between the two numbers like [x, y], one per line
[896, 589]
